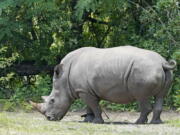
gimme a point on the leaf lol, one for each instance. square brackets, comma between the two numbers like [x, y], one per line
[6, 3]
[1, 36]
[84, 5]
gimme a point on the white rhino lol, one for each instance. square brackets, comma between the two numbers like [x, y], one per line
[120, 75]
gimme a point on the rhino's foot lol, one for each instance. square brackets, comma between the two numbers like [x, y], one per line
[141, 121]
[89, 117]
[98, 121]
[159, 121]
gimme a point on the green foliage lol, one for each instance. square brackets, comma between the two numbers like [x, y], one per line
[121, 107]
[28, 27]
[9, 106]
[23, 92]
[162, 23]
[85, 5]
[176, 96]
[176, 84]
[4, 60]
[78, 104]
[38, 85]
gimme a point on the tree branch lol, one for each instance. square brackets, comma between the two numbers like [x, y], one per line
[96, 21]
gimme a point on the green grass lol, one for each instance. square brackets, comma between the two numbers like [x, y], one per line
[35, 124]
[175, 123]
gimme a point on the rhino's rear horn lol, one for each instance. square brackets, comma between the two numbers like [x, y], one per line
[44, 98]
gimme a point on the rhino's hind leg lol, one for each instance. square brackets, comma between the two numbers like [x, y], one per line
[145, 108]
[89, 116]
[93, 103]
[157, 109]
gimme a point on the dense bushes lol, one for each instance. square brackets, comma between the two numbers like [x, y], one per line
[25, 89]
[36, 35]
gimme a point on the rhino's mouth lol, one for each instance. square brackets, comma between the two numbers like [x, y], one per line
[50, 118]
[54, 117]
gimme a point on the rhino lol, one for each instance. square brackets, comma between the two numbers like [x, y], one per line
[121, 75]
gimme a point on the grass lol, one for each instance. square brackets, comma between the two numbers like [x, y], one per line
[175, 123]
[35, 124]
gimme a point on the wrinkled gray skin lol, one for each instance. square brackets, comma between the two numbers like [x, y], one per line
[120, 75]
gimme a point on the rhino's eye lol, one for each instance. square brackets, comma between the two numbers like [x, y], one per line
[51, 101]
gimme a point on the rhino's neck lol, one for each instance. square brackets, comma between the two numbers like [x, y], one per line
[71, 91]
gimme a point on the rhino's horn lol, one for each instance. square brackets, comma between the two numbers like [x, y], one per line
[44, 98]
[36, 106]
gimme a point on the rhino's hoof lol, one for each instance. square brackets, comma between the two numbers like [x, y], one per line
[141, 121]
[156, 121]
[98, 121]
[88, 117]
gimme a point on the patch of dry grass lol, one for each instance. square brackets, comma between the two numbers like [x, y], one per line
[35, 124]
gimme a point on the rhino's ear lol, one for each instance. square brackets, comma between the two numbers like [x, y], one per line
[58, 70]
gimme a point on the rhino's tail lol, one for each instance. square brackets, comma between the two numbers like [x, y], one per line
[170, 65]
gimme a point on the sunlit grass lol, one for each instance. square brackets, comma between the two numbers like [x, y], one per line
[35, 124]
[175, 123]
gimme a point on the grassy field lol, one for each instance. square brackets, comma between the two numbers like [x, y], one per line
[119, 124]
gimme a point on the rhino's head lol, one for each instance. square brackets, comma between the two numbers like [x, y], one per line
[58, 102]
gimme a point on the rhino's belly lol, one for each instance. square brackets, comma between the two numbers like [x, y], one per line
[116, 95]
[111, 88]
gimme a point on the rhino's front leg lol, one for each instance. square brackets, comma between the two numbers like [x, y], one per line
[93, 103]
[89, 116]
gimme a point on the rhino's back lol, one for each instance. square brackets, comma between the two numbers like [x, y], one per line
[113, 73]
[72, 56]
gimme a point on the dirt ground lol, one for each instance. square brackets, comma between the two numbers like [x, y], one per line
[117, 124]
[122, 117]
